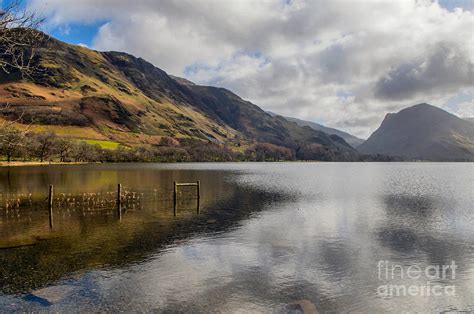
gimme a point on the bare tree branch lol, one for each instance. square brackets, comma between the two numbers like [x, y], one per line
[19, 38]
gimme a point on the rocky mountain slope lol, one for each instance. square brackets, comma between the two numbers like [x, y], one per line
[80, 93]
[423, 132]
[349, 138]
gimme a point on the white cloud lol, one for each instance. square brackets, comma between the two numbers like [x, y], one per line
[345, 63]
[465, 109]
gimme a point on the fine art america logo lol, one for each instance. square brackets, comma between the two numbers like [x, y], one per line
[400, 280]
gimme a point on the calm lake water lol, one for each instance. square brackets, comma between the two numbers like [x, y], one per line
[267, 236]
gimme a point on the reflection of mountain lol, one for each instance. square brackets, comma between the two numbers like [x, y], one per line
[96, 240]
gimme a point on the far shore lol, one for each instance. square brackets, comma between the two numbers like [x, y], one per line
[37, 163]
[4, 164]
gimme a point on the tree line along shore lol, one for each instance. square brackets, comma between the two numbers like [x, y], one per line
[20, 146]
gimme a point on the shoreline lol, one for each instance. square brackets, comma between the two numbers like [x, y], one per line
[37, 163]
[5, 164]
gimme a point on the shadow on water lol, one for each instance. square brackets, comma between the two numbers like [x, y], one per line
[413, 226]
[418, 207]
[256, 284]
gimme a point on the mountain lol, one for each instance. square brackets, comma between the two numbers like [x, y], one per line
[469, 120]
[113, 96]
[423, 132]
[350, 139]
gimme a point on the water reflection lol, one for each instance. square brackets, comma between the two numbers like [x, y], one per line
[81, 241]
[269, 236]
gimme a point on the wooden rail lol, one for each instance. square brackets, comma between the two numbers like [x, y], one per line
[187, 184]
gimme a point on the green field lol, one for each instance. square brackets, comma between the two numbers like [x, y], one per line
[103, 144]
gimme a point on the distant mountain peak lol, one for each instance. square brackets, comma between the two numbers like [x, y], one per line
[423, 104]
[424, 107]
[423, 131]
[352, 140]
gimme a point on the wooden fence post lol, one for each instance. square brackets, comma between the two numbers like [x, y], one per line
[119, 201]
[50, 206]
[175, 198]
[198, 194]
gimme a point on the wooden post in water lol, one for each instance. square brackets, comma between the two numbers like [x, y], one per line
[119, 201]
[175, 198]
[198, 194]
[50, 206]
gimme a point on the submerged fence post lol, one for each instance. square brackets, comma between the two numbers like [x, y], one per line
[198, 194]
[50, 206]
[175, 198]
[119, 201]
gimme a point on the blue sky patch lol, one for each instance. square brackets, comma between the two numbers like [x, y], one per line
[467, 5]
[344, 94]
[77, 33]
[461, 97]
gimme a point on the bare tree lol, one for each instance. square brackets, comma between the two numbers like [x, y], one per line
[64, 149]
[85, 152]
[43, 145]
[11, 141]
[19, 38]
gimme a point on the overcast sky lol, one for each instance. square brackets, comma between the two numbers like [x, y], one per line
[341, 63]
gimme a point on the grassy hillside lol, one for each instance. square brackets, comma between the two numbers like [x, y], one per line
[115, 97]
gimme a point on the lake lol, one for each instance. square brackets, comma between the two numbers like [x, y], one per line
[265, 237]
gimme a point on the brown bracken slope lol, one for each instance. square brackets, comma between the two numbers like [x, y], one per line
[82, 93]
